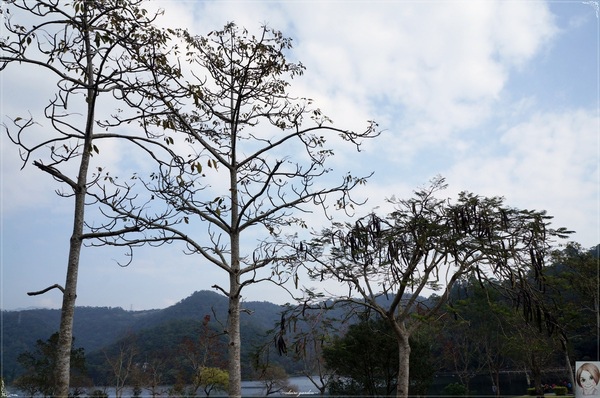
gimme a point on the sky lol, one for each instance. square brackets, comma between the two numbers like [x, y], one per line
[501, 98]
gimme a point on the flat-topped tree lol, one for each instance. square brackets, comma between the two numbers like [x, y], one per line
[250, 160]
[430, 243]
[86, 48]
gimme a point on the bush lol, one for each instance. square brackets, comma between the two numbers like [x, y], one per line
[531, 391]
[560, 390]
[455, 389]
[98, 394]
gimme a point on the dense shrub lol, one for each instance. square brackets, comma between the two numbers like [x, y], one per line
[455, 389]
[98, 394]
[560, 390]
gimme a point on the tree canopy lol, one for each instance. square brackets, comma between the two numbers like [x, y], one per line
[428, 242]
[250, 159]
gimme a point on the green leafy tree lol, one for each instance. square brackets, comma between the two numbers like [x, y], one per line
[85, 47]
[427, 242]
[574, 301]
[250, 158]
[364, 360]
[456, 389]
[210, 379]
[40, 366]
[476, 332]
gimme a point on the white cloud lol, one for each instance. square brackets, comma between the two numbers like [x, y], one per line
[550, 161]
[439, 68]
[521, 28]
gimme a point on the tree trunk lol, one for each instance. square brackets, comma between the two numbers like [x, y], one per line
[234, 349]
[65, 338]
[63, 360]
[403, 361]
[233, 321]
[565, 347]
[537, 376]
[496, 382]
[235, 287]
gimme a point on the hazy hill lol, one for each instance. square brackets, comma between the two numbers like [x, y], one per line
[202, 303]
[102, 330]
[97, 329]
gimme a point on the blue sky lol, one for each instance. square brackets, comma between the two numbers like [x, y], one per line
[499, 97]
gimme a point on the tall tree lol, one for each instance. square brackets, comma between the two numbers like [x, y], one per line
[250, 159]
[427, 242]
[86, 47]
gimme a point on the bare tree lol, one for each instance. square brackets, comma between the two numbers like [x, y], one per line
[309, 331]
[86, 47]
[203, 351]
[430, 243]
[275, 380]
[250, 159]
[122, 363]
[153, 371]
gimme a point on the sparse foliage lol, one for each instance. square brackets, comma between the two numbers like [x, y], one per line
[122, 364]
[312, 333]
[249, 160]
[204, 355]
[274, 379]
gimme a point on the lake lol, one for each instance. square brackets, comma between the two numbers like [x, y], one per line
[249, 389]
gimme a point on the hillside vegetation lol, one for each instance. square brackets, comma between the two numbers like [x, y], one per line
[100, 330]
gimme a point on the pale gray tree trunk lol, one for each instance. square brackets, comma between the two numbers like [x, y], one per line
[402, 335]
[65, 339]
[233, 325]
[234, 349]
[567, 358]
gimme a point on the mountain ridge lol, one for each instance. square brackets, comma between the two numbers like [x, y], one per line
[96, 328]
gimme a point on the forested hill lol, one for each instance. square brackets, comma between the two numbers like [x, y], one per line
[97, 328]
[103, 331]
